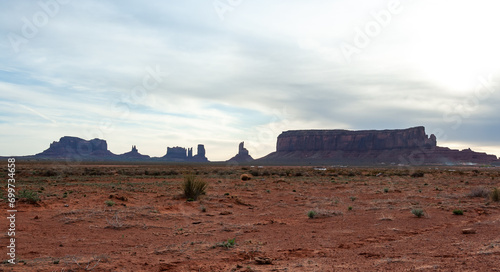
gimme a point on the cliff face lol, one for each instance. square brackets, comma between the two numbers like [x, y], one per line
[75, 147]
[345, 140]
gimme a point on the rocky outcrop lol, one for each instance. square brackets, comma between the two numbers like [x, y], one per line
[243, 155]
[76, 148]
[401, 146]
[133, 155]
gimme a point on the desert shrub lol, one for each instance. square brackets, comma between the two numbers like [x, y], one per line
[311, 214]
[28, 196]
[193, 187]
[479, 192]
[48, 173]
[417, 174]
[109, 203]
[170, 173]
[458, 212]
[245, 177]
[254, 173]
[322, 213]
[417, 212]
[495, 195]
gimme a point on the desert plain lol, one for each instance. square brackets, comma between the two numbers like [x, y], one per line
[127, 217]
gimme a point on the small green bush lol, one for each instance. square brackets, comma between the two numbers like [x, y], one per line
[458, 212]
[417, 212]
[110, 203]
[193, 187]
[311, 214]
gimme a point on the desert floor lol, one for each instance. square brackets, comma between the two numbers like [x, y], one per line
[134, 218]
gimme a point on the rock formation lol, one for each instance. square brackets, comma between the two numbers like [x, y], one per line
[242, 156]
[200, 155]
[133, 155]
[401, 146]
[75, 148]
[181, 154]
[175, 154]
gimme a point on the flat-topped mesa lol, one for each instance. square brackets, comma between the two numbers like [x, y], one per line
[361, 140]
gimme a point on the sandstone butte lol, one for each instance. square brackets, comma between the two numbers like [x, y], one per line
[398, 146]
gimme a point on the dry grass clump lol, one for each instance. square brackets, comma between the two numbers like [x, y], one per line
[193, 187]
[479, 192]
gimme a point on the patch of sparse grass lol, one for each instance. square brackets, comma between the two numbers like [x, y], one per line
[227, 244]
[417, 212]
[28, 196]
[193, 187]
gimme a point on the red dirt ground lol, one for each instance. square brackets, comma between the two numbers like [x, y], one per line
[363, 222]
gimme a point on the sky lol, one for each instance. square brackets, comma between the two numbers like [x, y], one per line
[159, 74]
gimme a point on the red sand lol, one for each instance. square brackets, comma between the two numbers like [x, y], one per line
[151, 227]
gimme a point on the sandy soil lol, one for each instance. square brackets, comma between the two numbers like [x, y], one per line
[134, 218]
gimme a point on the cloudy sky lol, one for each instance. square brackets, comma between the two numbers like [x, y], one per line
[179, 73]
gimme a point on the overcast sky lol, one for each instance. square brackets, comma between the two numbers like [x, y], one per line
[179, 73]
